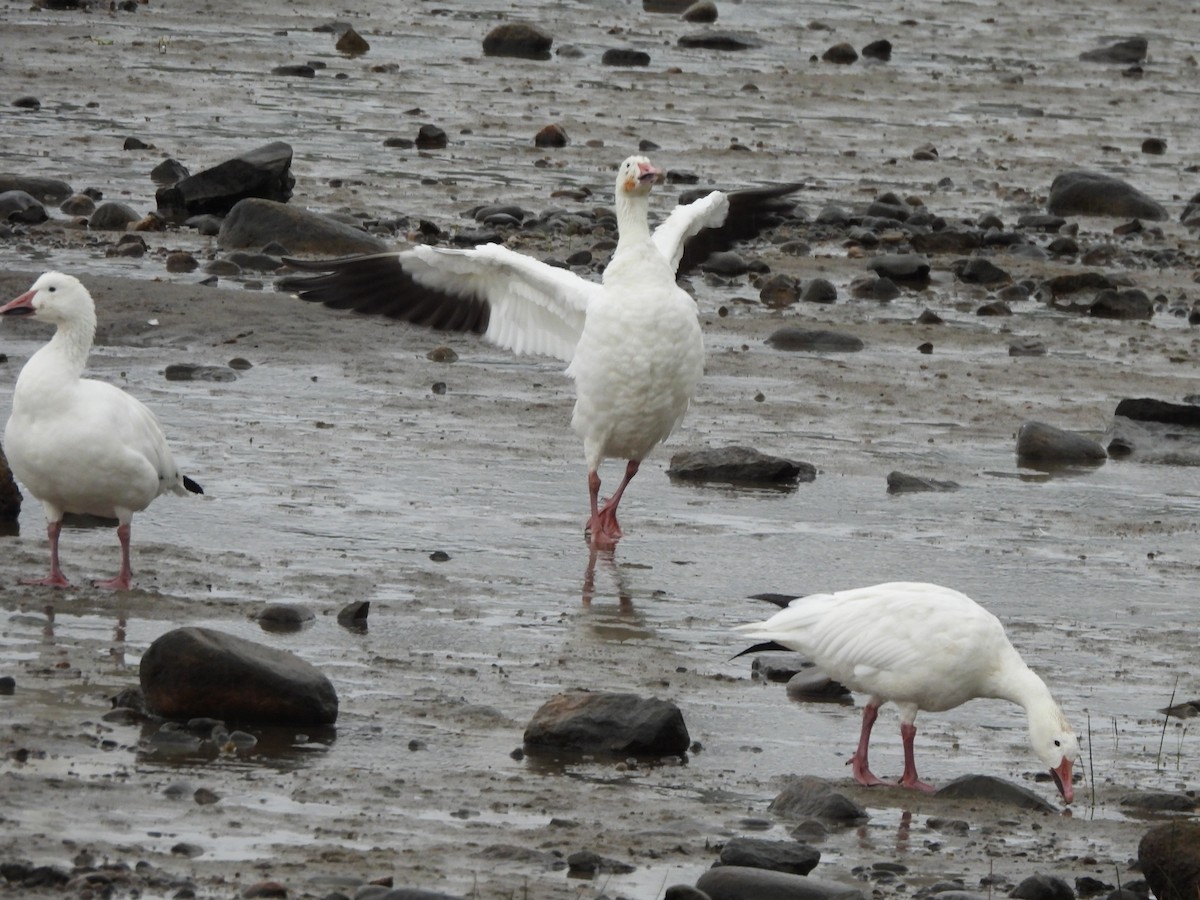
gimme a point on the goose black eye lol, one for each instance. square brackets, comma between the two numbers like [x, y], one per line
[1058, 743]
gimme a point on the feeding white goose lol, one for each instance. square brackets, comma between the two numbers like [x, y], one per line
[79, 445]
[923, 647]
[632, 341]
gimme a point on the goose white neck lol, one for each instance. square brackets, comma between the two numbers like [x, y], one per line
[72, 342]
[633, 224]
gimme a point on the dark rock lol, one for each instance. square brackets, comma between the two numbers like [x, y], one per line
[1073, 283]
[551, 136]
[77, 205]
[518, 39]
[719, 40]
[880, 50]
[1154, 146]
[1159, 801]
[843, 54]
[779, 666]
[948, 240]
[994, 790]
[586, 863]
[1169, 856]
[702, 12]
[906, 268]
[283, 618]
[190, 372]
[1146, 409]
[670, 7]
[978, 270]
[738, 465]
[191, 672]
[871, 287]
[777, 856]
[112, 216]
[725, 262]
[620, 56]
[817, 341]
[264, 889]
[8, 685]
[1027, 347]
[1039, 442]
[1128, 304]
[779, 291]
[1127, 52]
[743, 883]
[295, 70]
[169, 172]
[819, 290]
[354, 615]
[1080, 193]
[994, 308]
[181, 261]
[814, 686]
[254, 223]
[813, 798]
[684, 892]
[22, 207]
[47, 190]
[352, 43]
[27, 102]
[430, 137]
[608, 723]
[900, 483]
[263, 173]
[1043, 887]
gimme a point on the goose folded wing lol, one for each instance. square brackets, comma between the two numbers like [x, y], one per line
[718, 220]
[513, 300]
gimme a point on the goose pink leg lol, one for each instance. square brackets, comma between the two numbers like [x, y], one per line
[858, 762]
[56, 578]
[603, 529]
[124, 577]
[909, 779]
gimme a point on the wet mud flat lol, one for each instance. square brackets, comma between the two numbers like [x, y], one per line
[335, 472]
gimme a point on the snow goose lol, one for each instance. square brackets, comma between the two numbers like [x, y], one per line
[923, 647]
[632, 342]
[78, 445]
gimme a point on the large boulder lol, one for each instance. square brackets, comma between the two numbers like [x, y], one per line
[264, 172]
[810, 797]
[994, 790]
[198, 672]
[255, 223]
[1038, 442]
[1169, 855]
[608, 723]
[1081, 193]
[738, 465]
[744, 883]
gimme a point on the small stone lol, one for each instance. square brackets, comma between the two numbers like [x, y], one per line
[551, 136]
[1154, 146]
[619, 56]
[352, 43]
[442, 355]
[518, 39]
[842, 54]
[430, 137]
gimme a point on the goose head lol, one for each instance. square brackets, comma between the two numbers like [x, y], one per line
[55, 298]
[1057, 747]
[637, 176]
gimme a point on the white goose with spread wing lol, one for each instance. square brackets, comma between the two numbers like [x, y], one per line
[923, 647]
[633, 341]
[78, 445]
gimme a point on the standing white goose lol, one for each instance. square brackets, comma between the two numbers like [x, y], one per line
[633, 341]
[923, 647]
[78, 445]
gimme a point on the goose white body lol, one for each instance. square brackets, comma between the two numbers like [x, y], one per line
[922, 647]
[632, 342]
[76, 444]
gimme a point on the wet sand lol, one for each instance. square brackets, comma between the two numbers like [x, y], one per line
[334, 472]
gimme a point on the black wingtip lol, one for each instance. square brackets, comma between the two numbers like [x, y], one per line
[764, 647]
[192, 486]
[780, 600]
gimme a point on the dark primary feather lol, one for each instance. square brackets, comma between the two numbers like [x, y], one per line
[377, 284]
[192, 485]
[751, 212]
[762, 648]
[780, 600]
